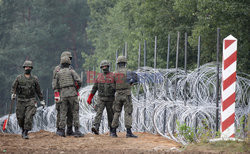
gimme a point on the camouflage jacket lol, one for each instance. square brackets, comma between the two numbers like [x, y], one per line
[57, 69]
[105, 86]
[26, 88]
[124, 79]
[66, 80]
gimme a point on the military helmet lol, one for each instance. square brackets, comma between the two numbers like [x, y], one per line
[121, 59]
[65, 60]
[27, 63]
[66, 53]
[104, 63]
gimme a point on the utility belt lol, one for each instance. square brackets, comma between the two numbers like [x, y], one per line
[103, 96]
[26, 97]
[67, 86]
[123, 89]
[106, 98]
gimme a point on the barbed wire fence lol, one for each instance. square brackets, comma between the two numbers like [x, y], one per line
[163, 100]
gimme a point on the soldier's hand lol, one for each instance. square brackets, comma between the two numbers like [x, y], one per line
[57, 97]
[13, 96]
[78, 97]
[90, 98]
[43, 103]
[89, 102]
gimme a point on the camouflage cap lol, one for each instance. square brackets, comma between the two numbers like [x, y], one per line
[27, 63]
[104, 63]
[121, 59]
[66, 53]
[65, 60]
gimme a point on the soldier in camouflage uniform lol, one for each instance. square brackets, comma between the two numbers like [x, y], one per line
[69, 131]
[123, 81]
[106, 91]
[65, 81]
[25, 88]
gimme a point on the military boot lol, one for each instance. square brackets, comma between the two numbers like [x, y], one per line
[61, 132]
[70, 132]
[22, 132]
[78, 133]
[113, 132]
[130, 134]
[95, 129]
[25, 134]
[110, 131]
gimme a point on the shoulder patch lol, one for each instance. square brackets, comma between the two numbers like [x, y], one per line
[19, 76]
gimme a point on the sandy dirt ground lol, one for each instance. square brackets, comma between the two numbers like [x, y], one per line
[47, 142]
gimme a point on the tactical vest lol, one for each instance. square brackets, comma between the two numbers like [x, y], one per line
[65, 78]
[106, 87]
[121, 79]
[26, 86]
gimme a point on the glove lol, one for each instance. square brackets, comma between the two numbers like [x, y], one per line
[57, 97]
[90, 98]
[13, 96]
[42, 103]
[78, 96]
[77, 86]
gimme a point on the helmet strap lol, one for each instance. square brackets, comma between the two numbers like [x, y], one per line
[121, 65]
[65, 65]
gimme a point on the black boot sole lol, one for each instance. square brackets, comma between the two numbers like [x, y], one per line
[70, 134]
[78, 136]
[131, 136]
[60, 135]
[114, 136]
[95, 131]
[25, 137]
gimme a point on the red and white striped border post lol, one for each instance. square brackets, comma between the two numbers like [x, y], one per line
[228, 87]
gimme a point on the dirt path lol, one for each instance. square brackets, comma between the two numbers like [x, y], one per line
[47, 142]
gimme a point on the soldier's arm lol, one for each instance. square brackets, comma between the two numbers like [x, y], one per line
[135, 77]
[38, 89]
[54, 84]
[14, 86]
[94, 88]
[76, 78]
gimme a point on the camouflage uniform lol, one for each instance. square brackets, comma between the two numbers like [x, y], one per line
[123, 97]
[69, 113]
[105, 86]
[65, 81]
[26, 90]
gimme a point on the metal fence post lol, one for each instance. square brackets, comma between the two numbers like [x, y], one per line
[126, 47]
[176, 63]
[145, 53]
[145, 64]
[185, 68]
[138, 87]
[168, 51]
[218, 79]
[155, 61]
[47, 96]
[176, 67]
[165, 111]
[116, 56]
[198, 69]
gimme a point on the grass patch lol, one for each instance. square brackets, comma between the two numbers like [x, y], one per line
[220, 146]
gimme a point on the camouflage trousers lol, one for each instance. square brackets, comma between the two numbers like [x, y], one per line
[25, 110]
[121, 100]
[100, 107]
[69, 116]
[69, 104]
